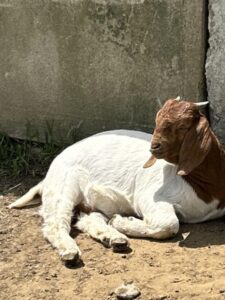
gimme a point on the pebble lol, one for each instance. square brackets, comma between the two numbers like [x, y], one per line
[4, 231]
[162, 297]
[111, 292]
[16, 215]
[47, 278]
[127, 291]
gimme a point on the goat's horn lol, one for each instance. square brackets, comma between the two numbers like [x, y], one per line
[201, 104]
[178, 98]
[159, 102]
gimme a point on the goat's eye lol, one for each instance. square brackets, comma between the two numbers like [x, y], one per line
[167, 128]
[181, 128]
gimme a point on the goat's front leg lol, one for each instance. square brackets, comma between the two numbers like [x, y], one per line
[159, 222]
[95, 224]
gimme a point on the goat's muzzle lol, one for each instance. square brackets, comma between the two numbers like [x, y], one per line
[155, 146]
[157, 149]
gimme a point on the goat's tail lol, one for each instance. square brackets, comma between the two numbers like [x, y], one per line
[28, 198]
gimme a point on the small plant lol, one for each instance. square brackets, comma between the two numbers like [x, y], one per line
[19, 157]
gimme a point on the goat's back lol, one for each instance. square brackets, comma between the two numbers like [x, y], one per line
[111, 157]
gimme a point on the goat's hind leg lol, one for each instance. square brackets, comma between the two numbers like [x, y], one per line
[57, 211]
[60, 239]
[95, 224]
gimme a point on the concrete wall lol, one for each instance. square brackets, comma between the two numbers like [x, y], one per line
[215, 67]
[72, 68]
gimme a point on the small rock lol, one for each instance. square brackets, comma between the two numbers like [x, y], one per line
[16, 215]
[47, 278]
[222, 291]
[175, 280]
[4, 231]
[129, 281]
[162, 297]
[127, 291]
[111, 293]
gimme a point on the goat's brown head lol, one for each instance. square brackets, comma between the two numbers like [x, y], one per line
[182, 136]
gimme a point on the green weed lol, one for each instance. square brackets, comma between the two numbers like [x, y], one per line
[19, 157]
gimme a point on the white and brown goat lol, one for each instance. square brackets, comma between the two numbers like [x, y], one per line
[104, 174]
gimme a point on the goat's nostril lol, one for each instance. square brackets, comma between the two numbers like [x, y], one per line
[155, 146]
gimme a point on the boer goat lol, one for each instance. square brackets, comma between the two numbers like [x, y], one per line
[102, 179]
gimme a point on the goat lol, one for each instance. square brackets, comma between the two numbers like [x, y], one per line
[102, 178]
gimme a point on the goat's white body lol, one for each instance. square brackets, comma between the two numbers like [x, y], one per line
[106, 173]
[115, 160]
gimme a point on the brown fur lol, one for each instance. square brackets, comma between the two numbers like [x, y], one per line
[187, 141]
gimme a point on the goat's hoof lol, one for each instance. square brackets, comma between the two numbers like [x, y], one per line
[120, 245]
[106, 242]
[74, 263]
[68, 255]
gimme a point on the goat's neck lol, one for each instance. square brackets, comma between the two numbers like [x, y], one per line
[208, 179]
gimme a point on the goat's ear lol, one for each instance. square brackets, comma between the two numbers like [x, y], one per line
[150, 162]
[195, 147]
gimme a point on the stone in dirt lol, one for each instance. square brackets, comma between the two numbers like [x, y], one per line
[127, 291]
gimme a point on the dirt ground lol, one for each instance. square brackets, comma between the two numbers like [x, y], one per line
[193, 268]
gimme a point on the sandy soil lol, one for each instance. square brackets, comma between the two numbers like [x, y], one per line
[174, 269]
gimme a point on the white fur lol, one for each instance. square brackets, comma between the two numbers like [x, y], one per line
[105, 172]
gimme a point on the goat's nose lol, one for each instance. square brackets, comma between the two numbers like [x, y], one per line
[155, 146]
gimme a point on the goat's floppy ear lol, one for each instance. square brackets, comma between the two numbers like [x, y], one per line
[195, 147]
[150, 162]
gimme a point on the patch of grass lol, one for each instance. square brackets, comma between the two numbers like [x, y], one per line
[19, 157]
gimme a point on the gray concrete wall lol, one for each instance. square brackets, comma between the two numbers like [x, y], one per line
[72, 68]
[215, 67]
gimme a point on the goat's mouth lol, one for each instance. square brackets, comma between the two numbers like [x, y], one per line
[158, 153]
